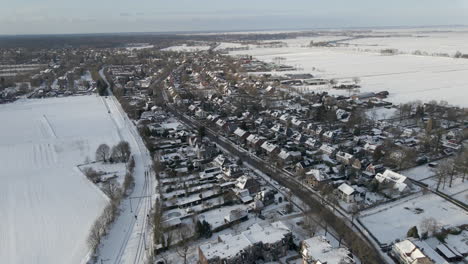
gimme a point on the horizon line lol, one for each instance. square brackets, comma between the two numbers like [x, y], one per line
[193, 32]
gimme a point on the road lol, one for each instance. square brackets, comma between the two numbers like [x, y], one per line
[130, 237]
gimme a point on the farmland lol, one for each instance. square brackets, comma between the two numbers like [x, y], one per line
[47, 204]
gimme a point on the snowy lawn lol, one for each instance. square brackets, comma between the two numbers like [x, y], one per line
[426, 174]
[47, 204]
[392, 221]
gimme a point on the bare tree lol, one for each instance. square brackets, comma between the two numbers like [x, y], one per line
[461, 164]
[310, 225]
[112, 190]
[429, 225]
[121, 152]
[354, 210]
[94, 237]
[103, 152]
[91, 174]
[445, 171]
[182, 248]
[158, 234]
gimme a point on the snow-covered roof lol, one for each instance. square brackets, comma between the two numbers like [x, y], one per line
[346, 189]
[327, 148]
[239, 132]
[344, 155]
[269, 147]
[399, 181]
[242, 181]
[254, 138]
[318, 249]
[235, 214]
[284, 154]
[408, 250]
[229, 245]
[317, 174]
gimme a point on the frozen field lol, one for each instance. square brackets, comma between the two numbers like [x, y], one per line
[46, 204]
[392, 221]
[407, 77]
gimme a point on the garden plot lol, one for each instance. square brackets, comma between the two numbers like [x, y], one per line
[392, 221]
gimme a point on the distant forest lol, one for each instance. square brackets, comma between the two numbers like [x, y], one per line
[120, 39]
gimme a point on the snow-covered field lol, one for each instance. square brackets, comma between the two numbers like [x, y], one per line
[185, 48]
[407, 77]
[46, 205]
[408, 42]
[392, 221]
[458, 190]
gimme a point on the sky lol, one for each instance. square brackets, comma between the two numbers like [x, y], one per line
[109, 16]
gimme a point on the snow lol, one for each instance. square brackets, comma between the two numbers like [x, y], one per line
[381, 113]
[319, 249]
[129, 238]
[47, 205]
[186, 48]
[230, 45]
[426, 174]
[434, 42]
[407, 77]
[391, 221]
[459, 242]
[108, 170]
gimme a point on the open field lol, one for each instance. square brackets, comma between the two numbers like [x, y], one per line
[407, 77]
[392, 221]
[47, 205]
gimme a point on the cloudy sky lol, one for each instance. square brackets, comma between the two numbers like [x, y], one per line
[99, 16]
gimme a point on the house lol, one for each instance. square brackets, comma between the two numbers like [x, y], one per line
[317, 250]
[255, 141]
[357, 164]
[220, 160]
[407, 253]
[346, 193]
[372, 169]
[312, 143]
[270, 148]
[268, 243]
[200, 113]
[370, 148]
[267, 196]
[329, 136]
[285, 156]
[399, 182]
[241, 134]
[221, 123]
[328, 150]
[248, 183]
[303, 165]
[344, 158]
[316, 178]
[232, 171]
[236, 215]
